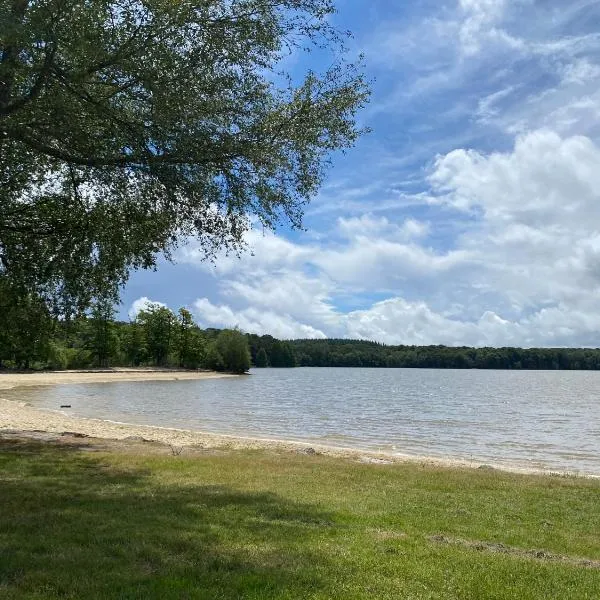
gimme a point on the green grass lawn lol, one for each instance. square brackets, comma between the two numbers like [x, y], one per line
[241, 524]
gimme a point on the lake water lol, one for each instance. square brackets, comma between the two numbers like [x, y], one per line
[532, 419]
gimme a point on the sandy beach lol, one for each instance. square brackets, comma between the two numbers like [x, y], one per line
[12, 380]
[21, 420]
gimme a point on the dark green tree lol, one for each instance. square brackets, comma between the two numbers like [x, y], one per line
[232, 346]
[212, 358]
[159, 326]
[127, 125]
[25, 327]
[262, 359]
[101, 336]
[133, 343]
[282, 355]
[190, 344]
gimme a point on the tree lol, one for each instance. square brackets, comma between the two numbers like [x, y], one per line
[190, 343]
[158, 324]
[25, 327]
[127, 125]
[212, 358]
[101, 338]
[261, 358]
[232, 346]
[282, 355]
[134, 344]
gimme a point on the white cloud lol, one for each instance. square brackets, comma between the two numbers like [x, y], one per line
[494, 247]
[580, 72]
[382, 228]
[526, 271]
[141, 304]
[252, 320]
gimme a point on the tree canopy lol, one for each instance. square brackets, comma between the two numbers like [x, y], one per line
[127, 125]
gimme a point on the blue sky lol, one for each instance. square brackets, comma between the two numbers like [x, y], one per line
[471, 213]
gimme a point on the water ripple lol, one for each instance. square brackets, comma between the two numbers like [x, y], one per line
[546, 418]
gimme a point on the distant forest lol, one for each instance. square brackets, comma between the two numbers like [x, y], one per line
[31, 338]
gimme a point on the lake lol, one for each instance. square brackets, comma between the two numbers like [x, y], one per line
[532, 419]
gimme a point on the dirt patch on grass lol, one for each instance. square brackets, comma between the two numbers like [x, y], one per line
[499, 548]
[129, 445]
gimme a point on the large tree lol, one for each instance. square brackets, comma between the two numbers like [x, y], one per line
[159, 325]
[126, 125]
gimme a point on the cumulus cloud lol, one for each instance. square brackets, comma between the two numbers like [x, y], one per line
[141, 304]
[525, 272]
[253, 320]
[477, 222]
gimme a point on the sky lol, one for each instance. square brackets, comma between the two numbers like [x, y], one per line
[470, 215]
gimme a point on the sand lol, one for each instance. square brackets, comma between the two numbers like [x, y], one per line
[11, 380]
[21, 420]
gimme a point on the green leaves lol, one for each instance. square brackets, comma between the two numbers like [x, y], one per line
[125, 126]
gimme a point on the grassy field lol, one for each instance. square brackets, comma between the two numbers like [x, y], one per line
[77, 524]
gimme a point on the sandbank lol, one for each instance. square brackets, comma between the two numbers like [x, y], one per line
[11, 380]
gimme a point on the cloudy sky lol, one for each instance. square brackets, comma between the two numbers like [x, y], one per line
[471, 214]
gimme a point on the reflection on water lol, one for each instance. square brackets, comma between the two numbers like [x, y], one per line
[541, 419]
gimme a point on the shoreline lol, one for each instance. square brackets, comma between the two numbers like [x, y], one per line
[15, 380]
[21, 420]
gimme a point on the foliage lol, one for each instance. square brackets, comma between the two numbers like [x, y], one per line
[282, 354]
[125, 125]
[232, 346]
[190, 345]
[262, 360]
[57, 356]
[361, 353]
[213, 359]
[101, 335]
[30, 337]
[25, 326]
[159, 325]
[134, 344]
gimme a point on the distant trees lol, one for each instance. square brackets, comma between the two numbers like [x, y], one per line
[262, 360]
[190, 345]
[30, 337]
[133, 343]
[166, 338]
[25, 327]
[276, 352]
[362, 353]
[282, 355]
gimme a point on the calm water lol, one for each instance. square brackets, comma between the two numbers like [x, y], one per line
[540, 419]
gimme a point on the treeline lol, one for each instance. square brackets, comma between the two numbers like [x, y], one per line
[360, 353]
[31, 338]
[266, 351]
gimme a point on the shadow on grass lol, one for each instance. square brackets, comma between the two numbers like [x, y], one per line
[74, 526]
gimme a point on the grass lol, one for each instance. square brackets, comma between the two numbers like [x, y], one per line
[260, 525]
